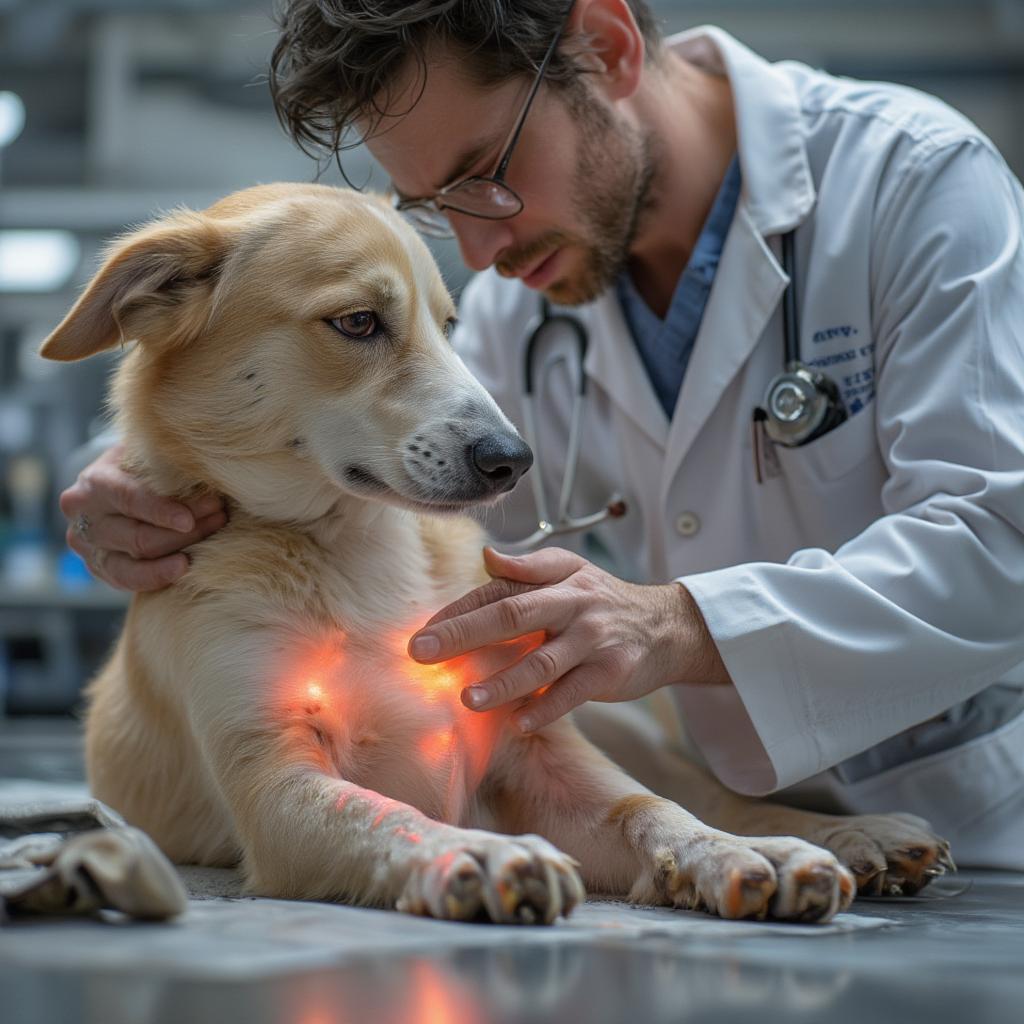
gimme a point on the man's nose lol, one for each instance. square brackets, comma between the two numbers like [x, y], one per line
[480, 241]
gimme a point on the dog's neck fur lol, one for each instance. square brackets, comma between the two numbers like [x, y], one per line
[359, 537]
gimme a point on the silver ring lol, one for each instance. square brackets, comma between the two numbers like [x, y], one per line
[82, 524]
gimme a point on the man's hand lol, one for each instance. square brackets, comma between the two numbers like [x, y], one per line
[606, 640]
[129, 536]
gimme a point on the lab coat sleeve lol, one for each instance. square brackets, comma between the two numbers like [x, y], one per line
[833, 652]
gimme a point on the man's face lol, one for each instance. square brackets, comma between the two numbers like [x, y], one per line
[582, 170]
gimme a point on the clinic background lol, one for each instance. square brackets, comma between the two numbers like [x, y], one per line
[113, 110]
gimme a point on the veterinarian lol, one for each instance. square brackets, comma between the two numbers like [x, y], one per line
[848, 611]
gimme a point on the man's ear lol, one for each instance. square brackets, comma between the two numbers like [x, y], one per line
[155, 284]
[615, 47]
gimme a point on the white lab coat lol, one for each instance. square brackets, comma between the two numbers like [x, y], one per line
[879, 580]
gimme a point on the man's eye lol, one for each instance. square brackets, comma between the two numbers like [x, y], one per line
[449, 327]
[356, 325]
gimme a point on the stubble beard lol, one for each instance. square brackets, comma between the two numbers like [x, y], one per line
[612, 182]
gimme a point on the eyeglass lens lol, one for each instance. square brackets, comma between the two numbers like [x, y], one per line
[478, 197]
[485, 197]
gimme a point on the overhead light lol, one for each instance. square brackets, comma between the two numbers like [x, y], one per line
[12, 117]
[37, 261]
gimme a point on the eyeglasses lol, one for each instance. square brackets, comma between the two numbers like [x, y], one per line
[484, 196]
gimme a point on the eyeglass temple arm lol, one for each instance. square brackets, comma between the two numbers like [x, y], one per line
[516, 131]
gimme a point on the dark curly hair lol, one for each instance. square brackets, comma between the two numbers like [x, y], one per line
[335, 58]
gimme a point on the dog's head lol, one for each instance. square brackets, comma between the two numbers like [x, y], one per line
[291, 344]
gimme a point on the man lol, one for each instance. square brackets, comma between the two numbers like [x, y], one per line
[849, 607]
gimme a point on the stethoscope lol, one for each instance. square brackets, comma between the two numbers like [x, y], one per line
[800, 404]
[545, 349]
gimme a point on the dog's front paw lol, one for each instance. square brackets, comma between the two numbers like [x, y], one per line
[738, 877]
[889, 854]
[513, 880]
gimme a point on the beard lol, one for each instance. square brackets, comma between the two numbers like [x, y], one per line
[611, 182]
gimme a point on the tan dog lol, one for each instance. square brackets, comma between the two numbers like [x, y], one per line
[291, 354]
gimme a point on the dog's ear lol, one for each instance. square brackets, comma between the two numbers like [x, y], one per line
[154, 287]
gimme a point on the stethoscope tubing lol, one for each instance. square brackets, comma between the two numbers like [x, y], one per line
[547, 321]
[562, 523]
[615, 507]
[790, 321]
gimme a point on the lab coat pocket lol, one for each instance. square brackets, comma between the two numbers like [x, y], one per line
[833, 455]
[831, 489]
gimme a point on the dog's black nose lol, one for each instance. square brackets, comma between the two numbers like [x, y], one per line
[502, 459]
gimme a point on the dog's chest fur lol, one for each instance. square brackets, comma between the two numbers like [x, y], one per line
[332, 615]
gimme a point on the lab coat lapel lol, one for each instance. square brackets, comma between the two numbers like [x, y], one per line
[778, 195]
[613, 364]
[748, 287]
[778, 189]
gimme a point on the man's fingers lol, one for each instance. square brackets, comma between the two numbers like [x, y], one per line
[77, 543]
[572, 690]
[135, 556]
[110, 488]
[496, 590]
[541, 667]
[512, 577]
[116, 533]
[205, 505]
[127, 573]
[104, 487]
[135, 501]
[547, 566]
[504, 620]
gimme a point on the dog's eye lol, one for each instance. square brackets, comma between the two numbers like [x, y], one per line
[449, 327]
[356, 325]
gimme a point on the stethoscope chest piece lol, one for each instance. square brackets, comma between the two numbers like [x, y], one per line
[801, 404]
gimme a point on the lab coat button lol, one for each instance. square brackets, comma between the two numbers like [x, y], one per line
[687, 524]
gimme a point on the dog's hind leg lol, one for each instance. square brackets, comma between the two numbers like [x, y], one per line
[889, 854]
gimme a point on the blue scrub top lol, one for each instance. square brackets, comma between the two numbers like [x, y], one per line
[665, 345]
